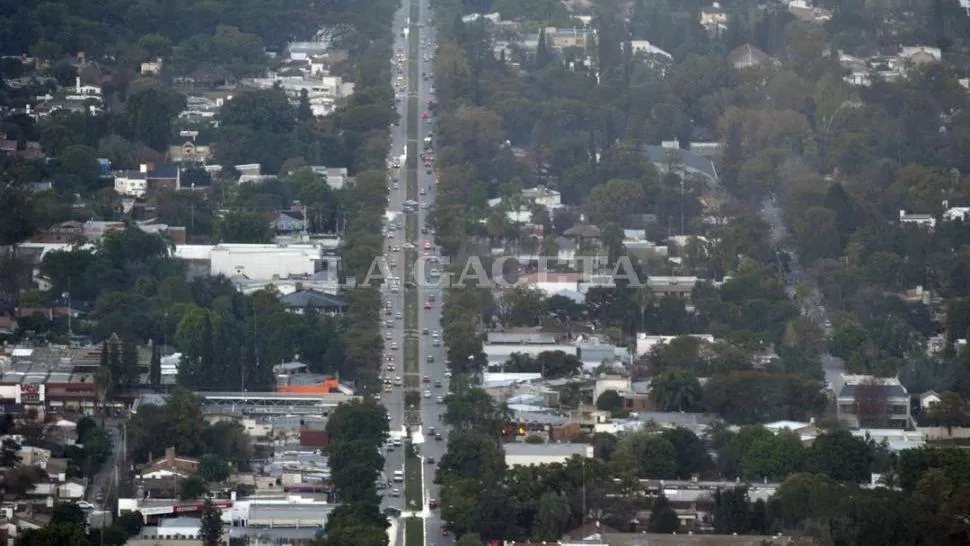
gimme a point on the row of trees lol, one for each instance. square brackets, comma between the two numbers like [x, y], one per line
[358, 432]
[68, 526]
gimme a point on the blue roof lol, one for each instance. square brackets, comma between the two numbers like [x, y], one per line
[313, 298]
[692, 161]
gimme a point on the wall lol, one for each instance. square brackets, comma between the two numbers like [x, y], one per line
[941, 433]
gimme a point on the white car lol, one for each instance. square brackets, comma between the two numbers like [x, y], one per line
[427, 394]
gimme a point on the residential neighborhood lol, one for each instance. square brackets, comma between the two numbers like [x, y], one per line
[480, 273]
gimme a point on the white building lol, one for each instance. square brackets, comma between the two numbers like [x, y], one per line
[266, 262]
[336, 177]
[646, 342]
[524, 454]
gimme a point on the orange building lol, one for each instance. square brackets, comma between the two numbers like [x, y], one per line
[327, 386]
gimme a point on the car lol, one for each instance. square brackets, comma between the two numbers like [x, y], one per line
[388, 389]
[395, 492]
[426, 379]
[427, 394]
[394, 346]
[429, 460]
[427, 245]
[424, 331]
[431, 430]
[425, 115]
[85, 505]
[437, 384]
[398, 316]
[448, 374]
[421, 191]
[444, 532]
[433, 503]
[430, 360]
[427, 305]
[439, 399]
[436, 343]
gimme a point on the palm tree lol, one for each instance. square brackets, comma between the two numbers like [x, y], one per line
[102, 384]
[676, 390]
[643, 297]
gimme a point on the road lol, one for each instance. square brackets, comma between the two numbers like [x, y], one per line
[814, 307]
[431, 353]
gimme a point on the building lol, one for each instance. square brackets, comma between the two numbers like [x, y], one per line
[296, 302]
[864, 400]
[747, 56]
[190, 148]
[525, 454]
[922, 220]
[646, 343]
[170, 465]
[288, 221]
[269, 262]
[336, 177]
[148, 179]
[669, 155]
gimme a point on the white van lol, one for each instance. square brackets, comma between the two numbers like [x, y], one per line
[398, 476]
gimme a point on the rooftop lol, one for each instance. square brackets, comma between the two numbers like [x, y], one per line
[524, 449]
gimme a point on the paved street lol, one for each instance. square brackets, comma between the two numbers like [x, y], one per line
[429, 319]
[833, 366]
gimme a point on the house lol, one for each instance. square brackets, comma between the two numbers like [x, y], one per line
[299, 300]
[865, 400]
[148, 179]
[803, 11]
[645, 48]
[170, 465]
[806, 432]
[681, 287]
[747, 56]
[151, 68]
[922, 220]
[336, 177]
[915, 56]
[928, 399]
[669, 155]
[523, 454]
[288, 221]
[647, 343]
[192, 148]
[714, 19]
[8, 325]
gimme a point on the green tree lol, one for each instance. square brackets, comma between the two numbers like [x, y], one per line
[244, 227]
[155, 368]
[10, 453]
[148, 116]
[193, 487]
[213, 468]
[131, 521]
[676, 390]
[211, 529]
[732, 511]
[609, 400]
[663, 518]
[551, 518]
[841, 456]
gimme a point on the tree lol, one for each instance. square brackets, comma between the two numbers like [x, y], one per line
[551, 517]
[155, 367]
[211, 529]
[841, 456]
[663, 518]
[148, 116]
[950, 411]
[732, 511]
[129, 363]
[131, 521]
[213, 468]
[609, 400]
[10, 453]
[356, 465]
[193, 487]
[676, 390]
[244, 227]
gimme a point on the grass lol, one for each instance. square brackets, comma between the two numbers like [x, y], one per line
[414, 532]
[414, 527]
[413, 492]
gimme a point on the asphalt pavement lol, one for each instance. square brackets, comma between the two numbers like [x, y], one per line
[428, 319]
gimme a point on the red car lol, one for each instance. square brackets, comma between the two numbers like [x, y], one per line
[444, 532]
[427, 305]
[425, 115]
[427, 245]
[433, 503]
[426, 379]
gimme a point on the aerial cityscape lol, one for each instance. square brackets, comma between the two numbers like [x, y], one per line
[485, 273]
